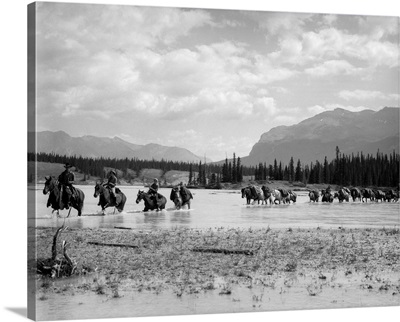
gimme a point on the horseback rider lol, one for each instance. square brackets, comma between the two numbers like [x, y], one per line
[185, 192]
[65, 181]
[153, 191]
[111, 183]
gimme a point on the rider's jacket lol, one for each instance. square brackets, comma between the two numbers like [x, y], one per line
[112, 181]
[153, 188]
[66, 178]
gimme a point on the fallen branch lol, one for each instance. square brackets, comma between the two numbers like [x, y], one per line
[223, 251]
[118, 227]
[112, 245]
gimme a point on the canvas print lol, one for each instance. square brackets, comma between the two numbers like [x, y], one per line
[193, 161]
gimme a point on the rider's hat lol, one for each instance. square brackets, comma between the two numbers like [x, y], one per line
[155, 179]
[181, 183]
[67, 165]
[112, 171]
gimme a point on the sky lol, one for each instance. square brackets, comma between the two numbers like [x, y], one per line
[211, 81]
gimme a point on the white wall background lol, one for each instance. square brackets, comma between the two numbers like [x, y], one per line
[13, 154]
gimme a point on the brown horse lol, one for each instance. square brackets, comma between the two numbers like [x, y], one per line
[314, 195]
[355, 194]
[246, 193]
[267, 195]
[57, 201]
[105, 197]
[327, 196]
[149, 201]
[342, 195]
[366, 194]
[180, 199]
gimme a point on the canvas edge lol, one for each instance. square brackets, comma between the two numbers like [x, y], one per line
[31, 146]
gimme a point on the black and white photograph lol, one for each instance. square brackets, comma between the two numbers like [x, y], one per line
[198, 160]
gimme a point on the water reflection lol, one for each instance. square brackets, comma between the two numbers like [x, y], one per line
[181, 217]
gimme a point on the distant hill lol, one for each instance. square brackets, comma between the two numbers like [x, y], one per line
[91, 146]
[314, 138]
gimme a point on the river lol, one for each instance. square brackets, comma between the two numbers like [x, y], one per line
[219, 208]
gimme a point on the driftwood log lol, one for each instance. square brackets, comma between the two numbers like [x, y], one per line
[112, 245]
[57, 267]
[223, 251]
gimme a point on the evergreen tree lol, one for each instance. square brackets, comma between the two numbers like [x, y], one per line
[298, 176]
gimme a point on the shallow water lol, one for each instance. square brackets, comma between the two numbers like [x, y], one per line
[217, 208]
[288, 292]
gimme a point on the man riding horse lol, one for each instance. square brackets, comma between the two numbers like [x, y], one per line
[67, 191]
[153, 192]
[185, 192]
[111, 183]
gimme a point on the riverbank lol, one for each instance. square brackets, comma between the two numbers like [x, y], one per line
[190, 261]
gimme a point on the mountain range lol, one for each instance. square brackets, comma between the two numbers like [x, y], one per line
[94, 147]
[316, 137]
[312, 139]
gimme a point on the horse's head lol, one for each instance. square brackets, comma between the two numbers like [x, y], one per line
[48, 185]
[98, 189]
[140, 196]
[174, 193]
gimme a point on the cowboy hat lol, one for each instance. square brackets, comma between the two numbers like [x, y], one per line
[67, 165]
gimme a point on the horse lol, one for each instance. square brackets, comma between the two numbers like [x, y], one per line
[391, 195]
[56, 199]
[276, 194]
[367, 193]
[105, 199]
[267, 194]
[246, 192]
[313, 195]
[180, 199]
[149, 202]
[342, 195]
[327, 196]
[355, 194]
[379, 195]
[292, 197]
[257, 194]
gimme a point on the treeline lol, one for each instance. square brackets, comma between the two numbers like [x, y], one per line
[345, 170]
[199, 173]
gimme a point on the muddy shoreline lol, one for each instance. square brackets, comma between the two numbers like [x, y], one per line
[166, 260]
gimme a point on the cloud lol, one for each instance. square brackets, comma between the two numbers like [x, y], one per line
[332, 68]
[331, 44]
[366, 95]
[282, 22]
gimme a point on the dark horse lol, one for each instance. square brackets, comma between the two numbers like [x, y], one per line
[180, 199]
[56, 200]
[314, 195]
[327, 196]
[366, 194]
[246, 192]
[150, 202]
[105, 197]
[355, 194]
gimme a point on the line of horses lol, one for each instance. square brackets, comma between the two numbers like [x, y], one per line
[57, 202]
[355, 194]
[265, 195]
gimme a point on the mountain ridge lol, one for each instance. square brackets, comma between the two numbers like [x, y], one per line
[62, 143]
[316, 137]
